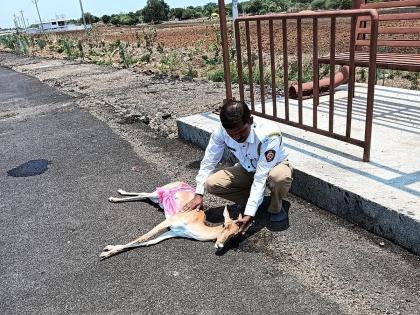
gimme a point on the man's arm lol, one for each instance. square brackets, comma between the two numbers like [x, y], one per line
[212, 156]
[270, 156]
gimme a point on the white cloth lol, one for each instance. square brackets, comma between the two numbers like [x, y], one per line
[270, 141]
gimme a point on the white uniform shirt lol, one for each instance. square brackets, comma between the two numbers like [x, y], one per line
[272, 153]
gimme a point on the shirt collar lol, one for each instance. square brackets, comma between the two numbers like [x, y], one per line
[251, 136]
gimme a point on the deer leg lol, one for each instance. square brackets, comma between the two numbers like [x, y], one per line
[134, 196]
[127, 193]
[111, 250]
[160, 238]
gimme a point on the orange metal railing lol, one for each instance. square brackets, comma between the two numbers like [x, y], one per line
[243, 23]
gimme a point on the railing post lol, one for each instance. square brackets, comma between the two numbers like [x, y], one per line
[371, 88]
[225, 50]
[239, 61]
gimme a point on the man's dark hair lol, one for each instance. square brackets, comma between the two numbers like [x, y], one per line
[234, 114]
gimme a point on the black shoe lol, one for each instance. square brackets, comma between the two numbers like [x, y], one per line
[279, 217]
[283, 214]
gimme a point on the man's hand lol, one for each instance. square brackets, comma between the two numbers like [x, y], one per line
[195, 203]
[244, 223]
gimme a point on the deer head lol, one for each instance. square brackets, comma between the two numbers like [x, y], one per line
[230, 229]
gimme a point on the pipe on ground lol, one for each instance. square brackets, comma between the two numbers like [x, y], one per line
[341, 77]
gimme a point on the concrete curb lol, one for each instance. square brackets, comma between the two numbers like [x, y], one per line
[374, 217]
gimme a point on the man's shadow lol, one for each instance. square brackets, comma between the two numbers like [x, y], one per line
[261, 220]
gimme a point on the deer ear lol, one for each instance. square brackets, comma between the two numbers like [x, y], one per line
[226, 214]
[240, 216]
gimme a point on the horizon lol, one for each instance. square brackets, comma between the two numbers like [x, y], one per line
[50, 9]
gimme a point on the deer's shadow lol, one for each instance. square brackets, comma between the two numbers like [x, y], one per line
[262, 220]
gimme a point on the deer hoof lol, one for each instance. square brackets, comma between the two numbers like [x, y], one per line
[108, 248]
[107, 251]
[105, 255]
[112, 199]
[121, 192]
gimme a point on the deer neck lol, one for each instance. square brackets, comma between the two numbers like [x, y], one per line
[211, 232]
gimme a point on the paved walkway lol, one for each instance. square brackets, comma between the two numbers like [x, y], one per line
[382, 195]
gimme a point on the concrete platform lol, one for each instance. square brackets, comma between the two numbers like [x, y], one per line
[382, 195]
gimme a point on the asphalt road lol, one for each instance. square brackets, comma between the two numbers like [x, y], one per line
[55, 224]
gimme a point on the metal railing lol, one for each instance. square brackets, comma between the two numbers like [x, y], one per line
[244, 22]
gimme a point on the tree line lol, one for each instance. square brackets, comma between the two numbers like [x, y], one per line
[156, 11]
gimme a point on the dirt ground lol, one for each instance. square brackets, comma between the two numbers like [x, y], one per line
[124, 96]
[192, 49]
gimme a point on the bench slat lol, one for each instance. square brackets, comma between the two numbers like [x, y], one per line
[393, 17]
[391, 43]
[408, 62]
[391, 30]
[390, 4]
[389, 58]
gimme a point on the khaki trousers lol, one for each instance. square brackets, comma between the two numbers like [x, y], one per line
[234, 184]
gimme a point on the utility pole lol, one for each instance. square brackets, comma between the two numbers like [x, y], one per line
[40, 21]
[16, 18]
[16, 24]
[83, 15]
[23, 20]
[234, 17]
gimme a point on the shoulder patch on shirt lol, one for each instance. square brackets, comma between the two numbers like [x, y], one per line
[269, 155]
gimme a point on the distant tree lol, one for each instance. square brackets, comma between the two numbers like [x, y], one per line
[115, 19]
[338, 4]
[318, 4]
[199, 9]
[106, 18]
[155, 11]
[254, 6]
[90, 18]
[177, 13]
[188, 14]
[134, 17]
[210, 8]
[124, 19]
[283, 5]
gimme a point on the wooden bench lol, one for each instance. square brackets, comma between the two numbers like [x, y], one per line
[403, 41]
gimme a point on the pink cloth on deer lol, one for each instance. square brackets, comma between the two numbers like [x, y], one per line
[167, 198]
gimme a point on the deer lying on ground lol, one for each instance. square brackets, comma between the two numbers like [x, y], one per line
[192, 224]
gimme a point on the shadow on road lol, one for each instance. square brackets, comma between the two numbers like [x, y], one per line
[262, 219]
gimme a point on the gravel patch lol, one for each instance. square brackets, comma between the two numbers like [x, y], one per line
[132, 96]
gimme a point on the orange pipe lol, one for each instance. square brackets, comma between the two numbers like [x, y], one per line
[341, 77]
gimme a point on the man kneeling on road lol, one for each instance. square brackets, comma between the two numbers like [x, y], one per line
[262, 162]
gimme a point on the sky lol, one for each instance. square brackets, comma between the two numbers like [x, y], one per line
[49, 9]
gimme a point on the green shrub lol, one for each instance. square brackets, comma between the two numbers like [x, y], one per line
[145, 57]
[67, 46]
[80, 48]
[41, 43]
[191, 73]
[362, 75]
[125, 58]
[23, 45]
[9, 41]
[413, 77]
[149, 38]
[170, 63]
[216, 75]
[138, 40]
[318, 4]
[160, 48]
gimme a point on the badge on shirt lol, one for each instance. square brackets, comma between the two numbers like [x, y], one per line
[269, 155]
